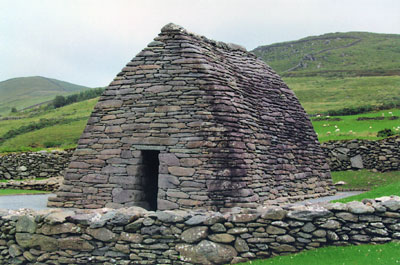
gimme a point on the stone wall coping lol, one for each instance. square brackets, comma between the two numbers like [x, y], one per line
[99, 217]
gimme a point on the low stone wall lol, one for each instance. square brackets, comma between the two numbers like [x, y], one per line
[34, 164]
[135, 236]
[50, 184]
[382, 155]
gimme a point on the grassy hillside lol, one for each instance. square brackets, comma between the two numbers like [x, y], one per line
[61, 128]
[335, 54]
[323, 94]
[339, 70]
[23, 92]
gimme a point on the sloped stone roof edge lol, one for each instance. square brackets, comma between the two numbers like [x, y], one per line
[172, 27]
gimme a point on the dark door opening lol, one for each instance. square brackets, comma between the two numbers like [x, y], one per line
[150, 177]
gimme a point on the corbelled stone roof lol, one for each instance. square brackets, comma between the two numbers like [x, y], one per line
[224, 128]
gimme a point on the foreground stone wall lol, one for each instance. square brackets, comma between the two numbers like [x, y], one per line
[382, 155]
[34, 164]
[136, 236]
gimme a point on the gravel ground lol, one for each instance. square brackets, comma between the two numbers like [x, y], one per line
[338, 195]
[39, 202]
[15, 202]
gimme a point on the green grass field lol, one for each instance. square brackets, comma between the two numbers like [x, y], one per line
[378, 184]
[5, 192]
[351, 128]
[386, 254]
[387, 190]
[365, 179]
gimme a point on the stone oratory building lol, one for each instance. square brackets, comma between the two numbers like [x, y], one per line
[195, 123]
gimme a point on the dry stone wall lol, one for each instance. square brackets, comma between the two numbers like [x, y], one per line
[30, 165]
[48, 184]
[136, 236]
[382, 155]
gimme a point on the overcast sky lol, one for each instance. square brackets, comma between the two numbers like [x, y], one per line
[87, 42]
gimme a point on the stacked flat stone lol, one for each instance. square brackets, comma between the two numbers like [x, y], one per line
[229, 132]
[135, 236]
[382, 155]
[30, 165]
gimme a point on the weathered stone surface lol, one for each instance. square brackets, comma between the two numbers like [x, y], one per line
[194, 234]
[181, 171]
[273, 230]
[357, 162]
[241, 245]
[392, 205]
[308, 215]
[166, 205]
[45, 243]
[75, 243]
[64, 228]
[221, 238]
[347, 216]
[275, 213]
[195, 220]
[102, 234]
[359, 208]
[206, 252]
[109, 104]
[14, 250]
[285, 239]
[26, 224]
[284, 248]
[331, 224]
[218, 228]
[243, 218]
[133, 238]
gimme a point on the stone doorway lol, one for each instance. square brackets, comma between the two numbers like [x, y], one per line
[151, 165]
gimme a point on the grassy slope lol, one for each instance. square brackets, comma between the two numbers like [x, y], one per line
[335, 74]
[320, 94]
[350, 255]
[65, 135]
[355, 53]
[26, 91]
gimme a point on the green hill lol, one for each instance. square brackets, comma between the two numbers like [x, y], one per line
[335, 54]
[24, 92]
[339, 70]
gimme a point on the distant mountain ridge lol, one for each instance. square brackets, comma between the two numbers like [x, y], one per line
[335, 54]
[23, 92]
